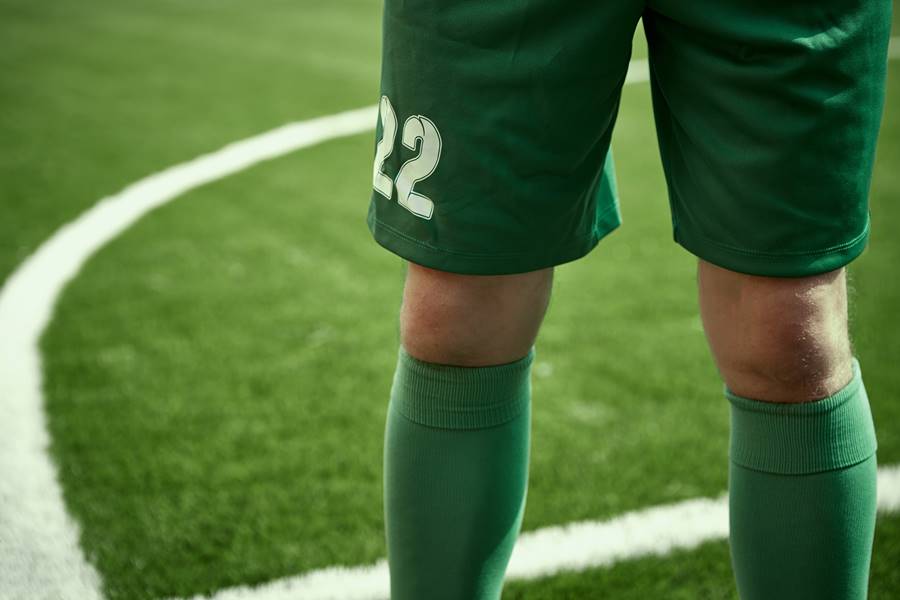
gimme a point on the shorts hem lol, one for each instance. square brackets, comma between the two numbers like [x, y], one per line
[499, 263]
[771, 264]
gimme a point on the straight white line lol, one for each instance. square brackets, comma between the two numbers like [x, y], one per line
[654, 531]
[40, 556]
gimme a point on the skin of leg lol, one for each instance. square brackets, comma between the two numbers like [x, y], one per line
[777, 339]
[797, 530]
[472, 320]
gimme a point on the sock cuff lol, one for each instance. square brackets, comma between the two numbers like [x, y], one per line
[804, 437]
[454, 397]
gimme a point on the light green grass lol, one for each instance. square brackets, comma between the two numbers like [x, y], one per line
[217, 377]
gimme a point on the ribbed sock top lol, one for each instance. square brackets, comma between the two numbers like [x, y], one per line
[803, 437]
[454, 397]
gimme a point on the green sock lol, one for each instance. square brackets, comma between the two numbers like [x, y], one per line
[456, 452]
[802, 496]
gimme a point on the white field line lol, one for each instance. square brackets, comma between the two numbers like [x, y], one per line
[654, 531]
[40, 556]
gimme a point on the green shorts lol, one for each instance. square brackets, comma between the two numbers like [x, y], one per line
[493, 142]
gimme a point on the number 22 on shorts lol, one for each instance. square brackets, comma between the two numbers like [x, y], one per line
[417, 131]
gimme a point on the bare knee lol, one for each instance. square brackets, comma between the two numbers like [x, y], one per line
[472, 320]
[776, 338]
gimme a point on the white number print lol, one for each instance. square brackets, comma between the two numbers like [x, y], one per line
[418, 129]
[381, 182]
[418, 132]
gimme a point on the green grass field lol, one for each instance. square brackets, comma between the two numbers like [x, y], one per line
[217, 377]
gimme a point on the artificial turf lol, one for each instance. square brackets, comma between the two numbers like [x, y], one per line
[217, 377]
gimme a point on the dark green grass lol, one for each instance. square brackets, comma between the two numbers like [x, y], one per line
[217, 378]
[96, 94]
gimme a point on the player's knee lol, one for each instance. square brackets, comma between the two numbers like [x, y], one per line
[472, 320]
[796, 364]
[777, 339]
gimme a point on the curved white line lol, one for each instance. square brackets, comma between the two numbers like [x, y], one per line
[40, 556]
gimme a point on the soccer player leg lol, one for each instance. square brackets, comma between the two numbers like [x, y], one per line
[803, 468]
[491, 167]
[767, 118]
[457, 438]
